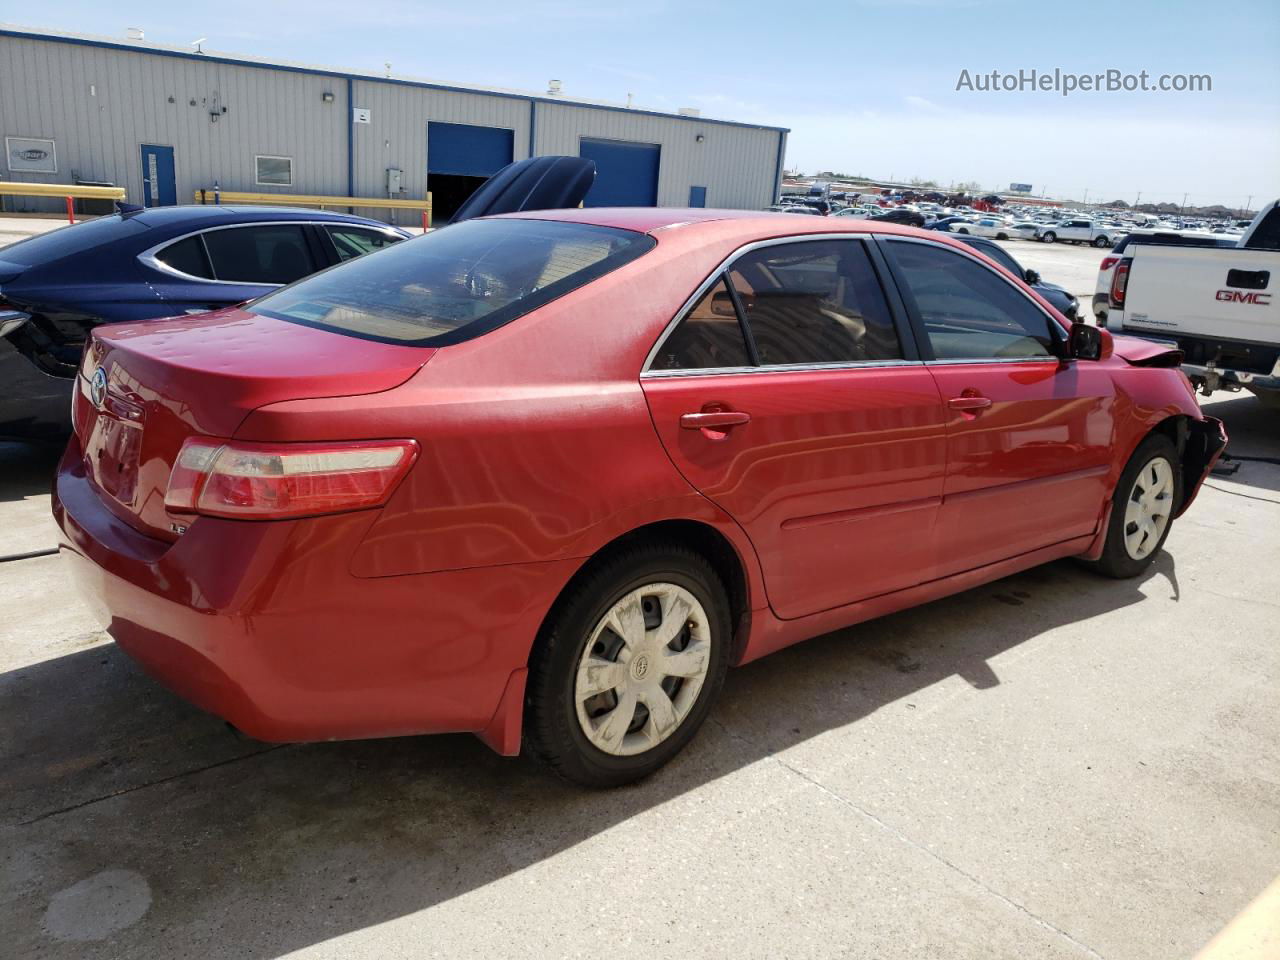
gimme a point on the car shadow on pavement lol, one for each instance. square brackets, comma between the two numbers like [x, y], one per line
[27, 467]
[250, 850]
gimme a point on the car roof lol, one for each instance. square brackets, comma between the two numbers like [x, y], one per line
[160, 217]
[735, 225]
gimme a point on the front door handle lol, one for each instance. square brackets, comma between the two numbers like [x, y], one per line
[969, 403]
[714, 419]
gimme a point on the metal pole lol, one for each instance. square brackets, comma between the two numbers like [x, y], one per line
[71, 212]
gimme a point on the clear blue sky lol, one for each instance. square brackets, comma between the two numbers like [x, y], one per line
[867, 86]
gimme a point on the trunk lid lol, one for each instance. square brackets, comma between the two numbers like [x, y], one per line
[537, 183]
[143, 388]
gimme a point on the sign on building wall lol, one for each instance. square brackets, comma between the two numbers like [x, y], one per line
[1019, 188]
[30, 155]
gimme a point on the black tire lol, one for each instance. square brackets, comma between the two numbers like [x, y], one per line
[1048, 237]
[963, 230]
[552, 733]
[1116, 560]
[1002, 236]
[1101, 242]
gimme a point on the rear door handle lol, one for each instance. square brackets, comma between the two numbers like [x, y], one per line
[969, 403]
[714, 419]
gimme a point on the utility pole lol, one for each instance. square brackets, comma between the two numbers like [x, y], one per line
[1085, 201]
[1183, 209]
[1139, 200]
[1247, 204]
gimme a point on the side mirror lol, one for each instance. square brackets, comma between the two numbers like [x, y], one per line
[1031, 276]
[1089, 342]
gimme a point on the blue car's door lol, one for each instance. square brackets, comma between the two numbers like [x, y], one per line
[227, 265]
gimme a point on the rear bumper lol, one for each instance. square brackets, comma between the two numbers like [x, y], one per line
[263, 625]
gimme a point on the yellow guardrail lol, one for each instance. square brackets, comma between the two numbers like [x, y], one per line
[68, 191]
[206, 196]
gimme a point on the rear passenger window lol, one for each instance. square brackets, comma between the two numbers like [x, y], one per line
[708, 337]
[186, 256]
[815, 302]
[968, 310]
[267, 254]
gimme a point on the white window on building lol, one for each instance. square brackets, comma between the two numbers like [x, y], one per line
[274, 171]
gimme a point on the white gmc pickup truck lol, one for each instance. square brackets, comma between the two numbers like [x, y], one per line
[1220, 306]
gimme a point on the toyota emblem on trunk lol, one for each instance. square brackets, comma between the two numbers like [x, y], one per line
[98, 387]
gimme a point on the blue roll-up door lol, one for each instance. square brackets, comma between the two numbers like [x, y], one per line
[466, 150]
[626, 173]
[697, 196]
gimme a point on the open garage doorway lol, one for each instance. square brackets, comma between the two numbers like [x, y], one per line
[460, 157]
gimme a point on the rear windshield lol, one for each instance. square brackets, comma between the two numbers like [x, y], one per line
[455, 283]
[63, 242]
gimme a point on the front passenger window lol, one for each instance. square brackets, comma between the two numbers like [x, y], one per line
[354, 242]
[969, 311]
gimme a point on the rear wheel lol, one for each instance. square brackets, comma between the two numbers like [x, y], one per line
[1049, 237]
[962, 230]
[1146, 497]
[1002, 236]
[629, 667]
[1101, 242]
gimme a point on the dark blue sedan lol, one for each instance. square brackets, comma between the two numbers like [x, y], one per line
[141, 264]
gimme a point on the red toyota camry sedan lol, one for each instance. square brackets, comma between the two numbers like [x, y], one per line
[545, 477]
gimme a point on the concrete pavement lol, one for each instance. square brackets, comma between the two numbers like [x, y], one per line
[1055, 765]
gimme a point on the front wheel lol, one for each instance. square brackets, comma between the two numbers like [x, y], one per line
[1101, 242]
[1146, 497]
[962, 230]
[1002, 236]
[629, 666]
[1049, 237]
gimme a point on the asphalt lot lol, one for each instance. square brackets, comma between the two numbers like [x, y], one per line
[1054, 765]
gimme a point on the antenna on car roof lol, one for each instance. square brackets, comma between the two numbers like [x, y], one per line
[128, 209]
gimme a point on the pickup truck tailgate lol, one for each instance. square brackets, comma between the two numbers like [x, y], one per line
[1223, 294]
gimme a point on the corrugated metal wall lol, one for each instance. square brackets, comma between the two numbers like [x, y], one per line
[101, 104]
[737, 165]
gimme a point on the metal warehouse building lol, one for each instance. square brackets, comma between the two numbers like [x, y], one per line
[165, 123]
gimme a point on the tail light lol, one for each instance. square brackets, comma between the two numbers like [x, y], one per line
[274, 481]
[1119, 281]
[1108, 263]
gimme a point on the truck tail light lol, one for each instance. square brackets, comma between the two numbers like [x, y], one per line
[274, 481]
[1108, 263]
[1119, 281]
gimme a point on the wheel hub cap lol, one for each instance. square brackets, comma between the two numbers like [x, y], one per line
[1149, 507]
[642, 669]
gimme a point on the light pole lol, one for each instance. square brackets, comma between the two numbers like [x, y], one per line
[1183, 209]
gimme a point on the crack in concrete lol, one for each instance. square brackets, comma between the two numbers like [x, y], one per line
[151, 783]
[894, 831]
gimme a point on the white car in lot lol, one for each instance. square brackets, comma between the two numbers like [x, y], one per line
[1079, 231]
[1024, 230]
[985, 227]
